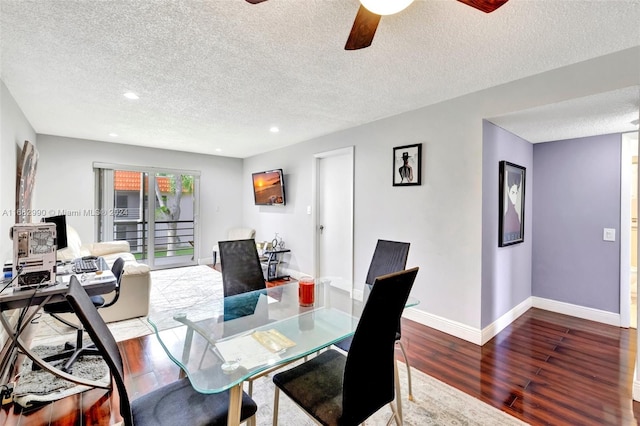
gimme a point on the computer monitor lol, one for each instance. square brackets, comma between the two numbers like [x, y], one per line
[61, 229]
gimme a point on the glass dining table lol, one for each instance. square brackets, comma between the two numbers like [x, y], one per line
[219, 343]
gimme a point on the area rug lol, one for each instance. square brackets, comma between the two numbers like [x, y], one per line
[435, 403]
[40, 386]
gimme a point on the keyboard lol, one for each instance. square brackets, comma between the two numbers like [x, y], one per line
[85, 265]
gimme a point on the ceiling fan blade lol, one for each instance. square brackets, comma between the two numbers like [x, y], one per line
[363, 30]
[255, 1]
[487, 6]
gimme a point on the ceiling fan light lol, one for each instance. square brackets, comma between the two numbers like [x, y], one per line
[385, 7]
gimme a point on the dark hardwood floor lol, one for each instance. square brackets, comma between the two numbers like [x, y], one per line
[545, 368]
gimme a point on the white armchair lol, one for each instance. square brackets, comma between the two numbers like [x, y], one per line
[235, 234]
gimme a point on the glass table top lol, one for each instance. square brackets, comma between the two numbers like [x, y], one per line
[220, 343]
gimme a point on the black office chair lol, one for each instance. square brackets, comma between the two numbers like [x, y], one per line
[175, 404]
[336, 389]
[72, 352]
[388, 257]
[241, 268]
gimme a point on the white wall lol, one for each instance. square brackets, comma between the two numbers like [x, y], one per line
[442, 218]
[14, 130]
[65, 181]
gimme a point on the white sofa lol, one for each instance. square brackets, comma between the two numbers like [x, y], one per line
[135, 286]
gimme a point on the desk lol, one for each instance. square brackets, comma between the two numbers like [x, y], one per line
[198, 334]
[37, 298]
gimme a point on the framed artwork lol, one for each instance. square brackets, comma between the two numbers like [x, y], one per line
[25, 181]
[511, 204]
[407, 165]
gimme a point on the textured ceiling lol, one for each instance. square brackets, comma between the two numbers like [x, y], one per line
[213, 76]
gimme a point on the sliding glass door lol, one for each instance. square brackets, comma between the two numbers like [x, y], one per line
[155, 211]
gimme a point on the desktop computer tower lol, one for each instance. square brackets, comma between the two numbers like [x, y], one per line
[34, 254]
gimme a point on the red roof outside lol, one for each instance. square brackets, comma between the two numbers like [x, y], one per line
[124, 180]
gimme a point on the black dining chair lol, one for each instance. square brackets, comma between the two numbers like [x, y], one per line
[241, 273]
[73, 351]
[241, 268]
[388, 257]
[177, 403]
[337, 389]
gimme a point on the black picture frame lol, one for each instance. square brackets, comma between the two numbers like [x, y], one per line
[407, 165]
[512, 179]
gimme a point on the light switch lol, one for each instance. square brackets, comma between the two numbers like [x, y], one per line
[308, 209]
[609, 234]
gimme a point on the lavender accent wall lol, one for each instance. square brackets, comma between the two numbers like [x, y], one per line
[577, 194]
[506, 271]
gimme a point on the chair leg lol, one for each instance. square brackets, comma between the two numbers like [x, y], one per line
[397, 407]
[276, 400]
[394, 415]
[406, 361]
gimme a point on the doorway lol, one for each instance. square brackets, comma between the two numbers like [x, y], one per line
[334, 213]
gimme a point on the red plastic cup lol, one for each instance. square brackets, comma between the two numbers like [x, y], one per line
[306, 291]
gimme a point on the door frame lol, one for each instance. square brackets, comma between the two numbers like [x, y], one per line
[628, 143]
[152, 172]
[350, 150]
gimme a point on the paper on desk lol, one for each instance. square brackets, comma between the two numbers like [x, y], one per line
[247, 351]
[255, 349]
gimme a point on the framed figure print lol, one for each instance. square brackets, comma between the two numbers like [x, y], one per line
[511, 205]
[407, 164]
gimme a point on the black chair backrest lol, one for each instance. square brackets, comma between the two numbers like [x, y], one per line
[117, 269]
[103, 339]
[388, 257]
[369, 372]
[241, 269]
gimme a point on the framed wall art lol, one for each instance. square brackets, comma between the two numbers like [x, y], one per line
[407, 165]
[511, 204]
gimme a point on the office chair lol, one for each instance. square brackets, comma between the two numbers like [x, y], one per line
[335, 389]
[175, 404]
[72, 352]
[388, 257]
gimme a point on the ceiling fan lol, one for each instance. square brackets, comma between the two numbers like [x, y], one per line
[370, 11]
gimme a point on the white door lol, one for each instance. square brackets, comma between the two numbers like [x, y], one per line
[334, 221]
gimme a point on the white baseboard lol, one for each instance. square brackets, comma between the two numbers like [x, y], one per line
[454, 328]
[577, 311]
[480, 337]
[501, 323]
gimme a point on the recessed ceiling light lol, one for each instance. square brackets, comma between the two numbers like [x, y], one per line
[113, 135]
[218, 150]
[274, 129]
[131, 95]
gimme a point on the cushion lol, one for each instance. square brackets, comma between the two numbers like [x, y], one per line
[179, 404]
[108, 247]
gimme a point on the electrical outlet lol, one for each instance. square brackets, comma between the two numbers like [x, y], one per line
[6, 393]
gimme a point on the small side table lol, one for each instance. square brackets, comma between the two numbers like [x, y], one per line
[272, 259]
